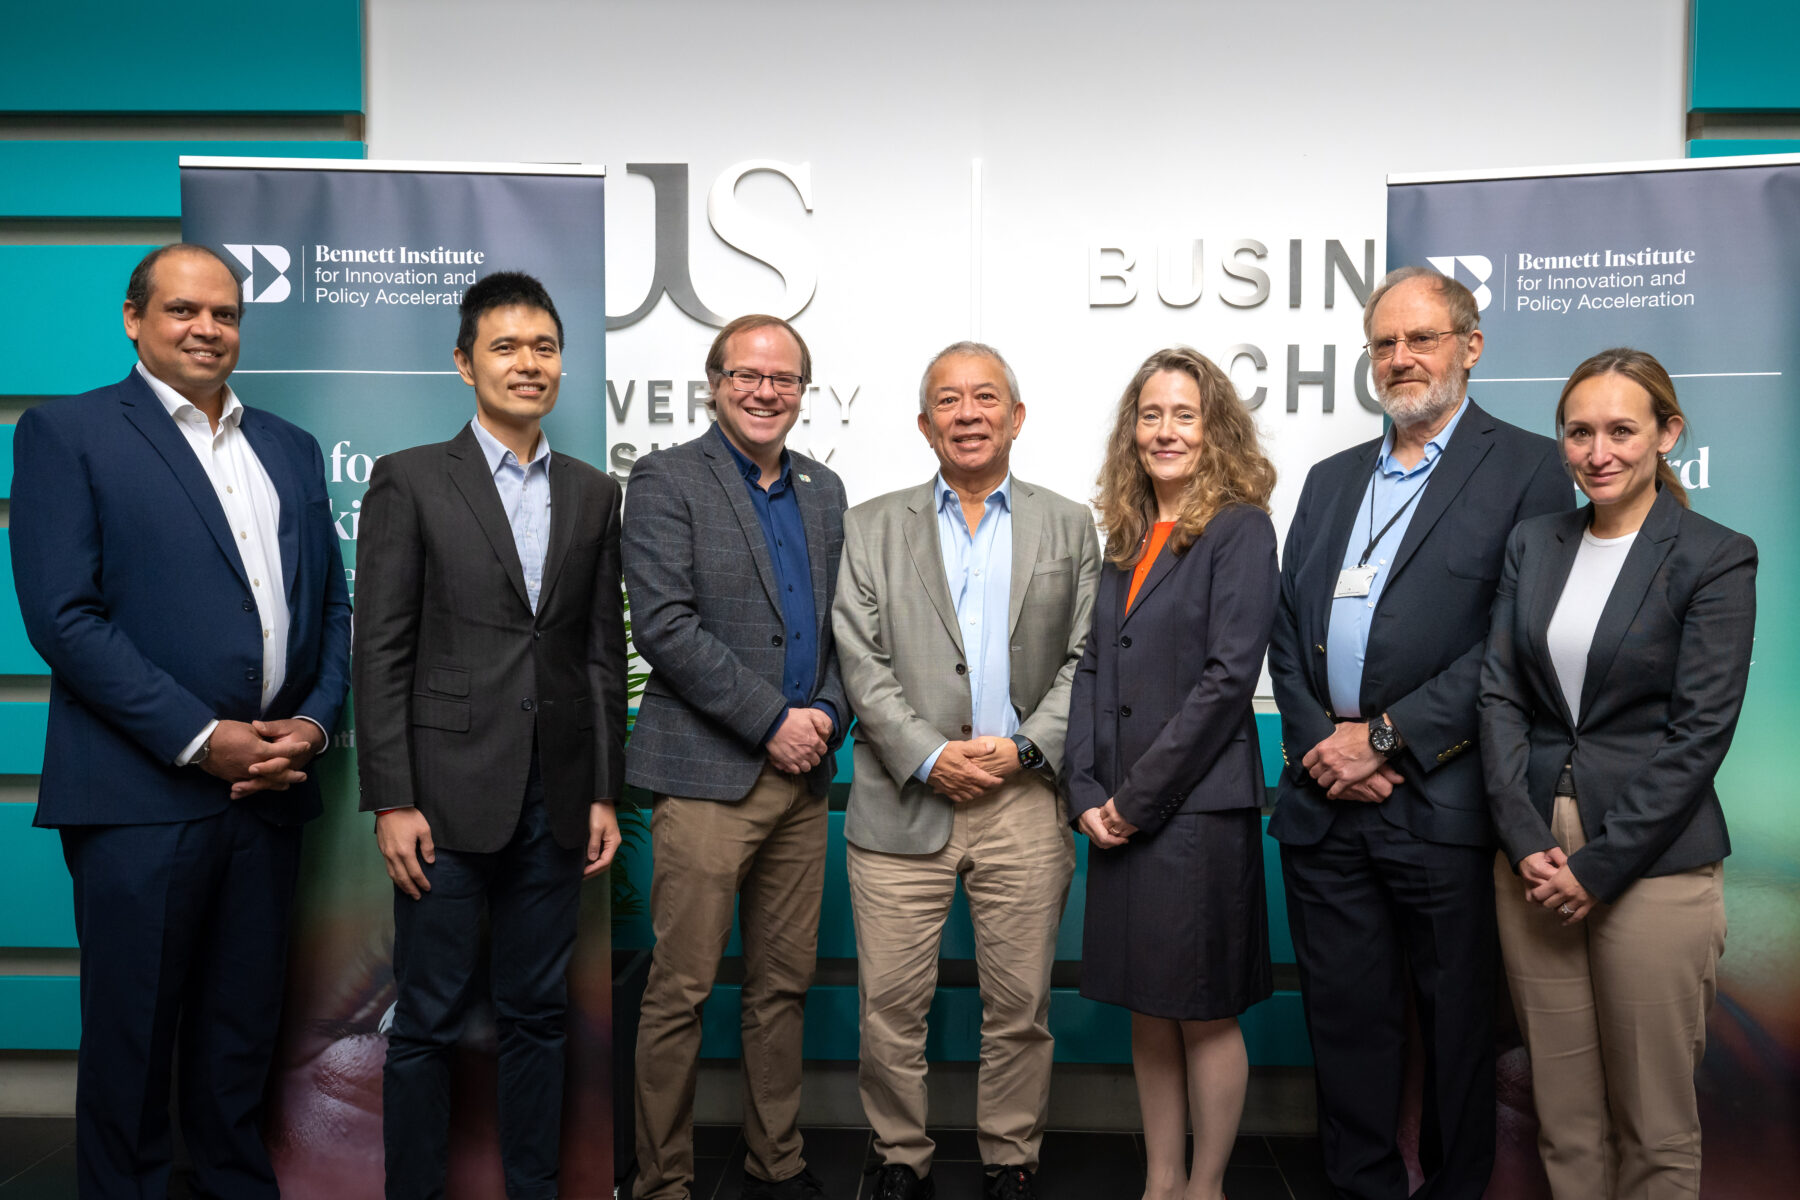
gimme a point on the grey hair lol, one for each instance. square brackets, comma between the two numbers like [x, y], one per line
[978, 349]
[1465, 314]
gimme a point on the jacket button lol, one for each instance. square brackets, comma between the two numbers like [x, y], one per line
[536, 634]
[1124, 710]
[526, 704]
[249, 676]
[775, 639]
[967, 730]
[1125, 642]
[1319, 648]
[961, 670]
[249, 606]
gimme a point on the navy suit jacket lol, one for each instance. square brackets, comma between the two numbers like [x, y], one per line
[1423, 664]
[133, 592]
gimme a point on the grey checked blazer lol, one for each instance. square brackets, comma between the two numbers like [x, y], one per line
[706, 617]
[903, 662]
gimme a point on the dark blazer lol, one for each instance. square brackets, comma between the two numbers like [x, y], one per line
[706, 616]
[1161, 720]
[1430, 629]
[1664, 685]
[455, 675]
[133, 592]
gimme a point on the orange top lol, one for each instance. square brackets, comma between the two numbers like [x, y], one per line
[1159, 533]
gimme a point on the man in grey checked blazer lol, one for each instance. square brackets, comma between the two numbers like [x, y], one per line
[731, 547]
[963, 612]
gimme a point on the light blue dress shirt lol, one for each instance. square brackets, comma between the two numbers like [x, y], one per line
[525, 495]
[978, 568]
[1391, 486]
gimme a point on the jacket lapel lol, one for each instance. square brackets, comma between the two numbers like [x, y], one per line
[1552, 577]
[725, 468]
[1656, 537]
[813, 520]
[469, 472]
[287, 487]
[1345, 506]
[1460, 458]
[1159, 571]
[146, 412]
[928, 558]
[1027, 532]
[564, 516]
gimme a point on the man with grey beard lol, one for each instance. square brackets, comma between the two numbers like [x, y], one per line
[1391, 565]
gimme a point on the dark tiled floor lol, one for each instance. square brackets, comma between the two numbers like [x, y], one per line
[37, 1162]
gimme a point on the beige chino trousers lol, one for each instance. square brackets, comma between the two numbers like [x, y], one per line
[764, 858]
[1015, 856]
[1614, 1015]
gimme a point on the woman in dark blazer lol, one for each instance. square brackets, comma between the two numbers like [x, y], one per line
[1163, 771]
[1614, 676]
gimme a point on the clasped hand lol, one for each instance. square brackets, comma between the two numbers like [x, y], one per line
[262, 755]
[801, 741]
[968, 770]
[1105, 827]
[1549, 882]
[1348, 768]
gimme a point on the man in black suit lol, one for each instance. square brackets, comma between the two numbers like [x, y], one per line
[490, 695]
[1391, 565]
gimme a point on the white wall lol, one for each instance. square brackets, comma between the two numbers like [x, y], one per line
[1124, 124]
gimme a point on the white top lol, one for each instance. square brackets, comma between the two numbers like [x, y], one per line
[252, 513]
[1571, 631]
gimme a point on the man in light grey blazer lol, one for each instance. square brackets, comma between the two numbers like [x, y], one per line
[731, 548]
[964, 608]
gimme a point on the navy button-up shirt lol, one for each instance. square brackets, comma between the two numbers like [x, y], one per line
[778, 512]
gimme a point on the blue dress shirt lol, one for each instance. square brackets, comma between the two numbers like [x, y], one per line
[1390, 486]
[978, 568]
[525, 495]
[784, 532]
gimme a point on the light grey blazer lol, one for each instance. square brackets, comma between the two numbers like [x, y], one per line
[904, 671]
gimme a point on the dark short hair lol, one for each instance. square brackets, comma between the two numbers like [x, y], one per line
[502, 289]
[142, 281]
[715, 356]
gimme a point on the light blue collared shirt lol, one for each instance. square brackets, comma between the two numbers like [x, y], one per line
[1391, 486]
[525, 495]
[978, 568]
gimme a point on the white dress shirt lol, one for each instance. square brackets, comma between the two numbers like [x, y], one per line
[252, 513]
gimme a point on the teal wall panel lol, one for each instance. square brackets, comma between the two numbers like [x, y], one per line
[35, 901]
[88, 281]
[124, 56]
[22, 736]
[1724, 147]
[1744, 56]
[121, 179]
[16, 655]
[40, 1012]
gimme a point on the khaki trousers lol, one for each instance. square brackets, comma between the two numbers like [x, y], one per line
[763, 856]
[1614, 1016]
[1015, 856]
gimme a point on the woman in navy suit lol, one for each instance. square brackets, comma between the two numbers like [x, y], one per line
[1163, 771]
[1614, 676]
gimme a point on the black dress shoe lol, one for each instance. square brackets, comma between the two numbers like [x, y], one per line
[1008, 1183]
[896, 1181]
[804, 1186]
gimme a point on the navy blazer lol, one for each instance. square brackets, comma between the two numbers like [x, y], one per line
[1423, 664]
[1664, 685]
[1160, 719]
[133, 592]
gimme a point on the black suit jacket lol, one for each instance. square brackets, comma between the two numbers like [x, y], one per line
[1659, 702]
[1160, 719]
[454, 674]
[1430, 626]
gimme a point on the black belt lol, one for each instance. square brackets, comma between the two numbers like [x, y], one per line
[1565, 782]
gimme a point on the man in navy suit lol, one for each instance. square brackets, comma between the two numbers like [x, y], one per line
[1392, 561]
[178, 569]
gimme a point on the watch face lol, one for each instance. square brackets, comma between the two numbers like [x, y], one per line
[1381, 737]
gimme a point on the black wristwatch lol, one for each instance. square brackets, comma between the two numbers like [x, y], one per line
[1030, 757]
[1382, 738]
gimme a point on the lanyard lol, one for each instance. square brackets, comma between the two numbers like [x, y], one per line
[1375, 538]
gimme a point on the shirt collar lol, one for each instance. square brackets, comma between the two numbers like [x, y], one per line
[176, 404]
[496, 454]
[947, 495]
[1433, 448]
[750, 470]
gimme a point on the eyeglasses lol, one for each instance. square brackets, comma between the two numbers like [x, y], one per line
[1417, 343]
[784, 383]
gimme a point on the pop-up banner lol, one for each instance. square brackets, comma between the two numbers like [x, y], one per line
[353, 272]
[1698, 263]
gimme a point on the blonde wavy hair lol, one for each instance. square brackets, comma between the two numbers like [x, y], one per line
[1233, 468]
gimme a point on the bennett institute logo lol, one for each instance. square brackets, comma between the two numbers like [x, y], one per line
[1470, 270]
[267, 281]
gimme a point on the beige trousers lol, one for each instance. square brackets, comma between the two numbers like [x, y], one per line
[1015, 856]
[763, 857]
[1614, 1015]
